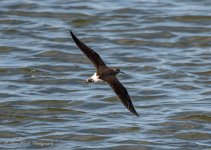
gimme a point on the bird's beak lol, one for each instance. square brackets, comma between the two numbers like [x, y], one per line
[122, 72]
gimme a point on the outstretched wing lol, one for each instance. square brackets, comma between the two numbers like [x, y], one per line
[90, 53]
[122, 93]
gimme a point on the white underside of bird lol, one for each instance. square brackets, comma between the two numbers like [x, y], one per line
[95, 78]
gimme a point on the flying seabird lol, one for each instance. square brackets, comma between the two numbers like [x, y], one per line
[104, 73]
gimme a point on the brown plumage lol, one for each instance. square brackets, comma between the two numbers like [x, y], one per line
[106, 74]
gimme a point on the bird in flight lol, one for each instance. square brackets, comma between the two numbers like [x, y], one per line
[104, 73]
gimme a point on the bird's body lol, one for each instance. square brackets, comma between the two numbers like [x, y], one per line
[95, 78]
[104, 73]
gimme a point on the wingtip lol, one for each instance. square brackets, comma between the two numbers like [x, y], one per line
[135, 113]
[71, 33]
[74, 37]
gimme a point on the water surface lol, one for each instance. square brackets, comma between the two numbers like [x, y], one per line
[164, 47]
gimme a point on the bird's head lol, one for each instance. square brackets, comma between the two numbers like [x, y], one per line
[116, 70]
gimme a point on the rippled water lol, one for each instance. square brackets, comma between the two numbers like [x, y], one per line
[163, 46]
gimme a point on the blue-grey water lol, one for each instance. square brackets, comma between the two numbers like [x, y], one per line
[163, 46]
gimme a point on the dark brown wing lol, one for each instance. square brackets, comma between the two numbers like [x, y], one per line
[91, 54]
[122, 93]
